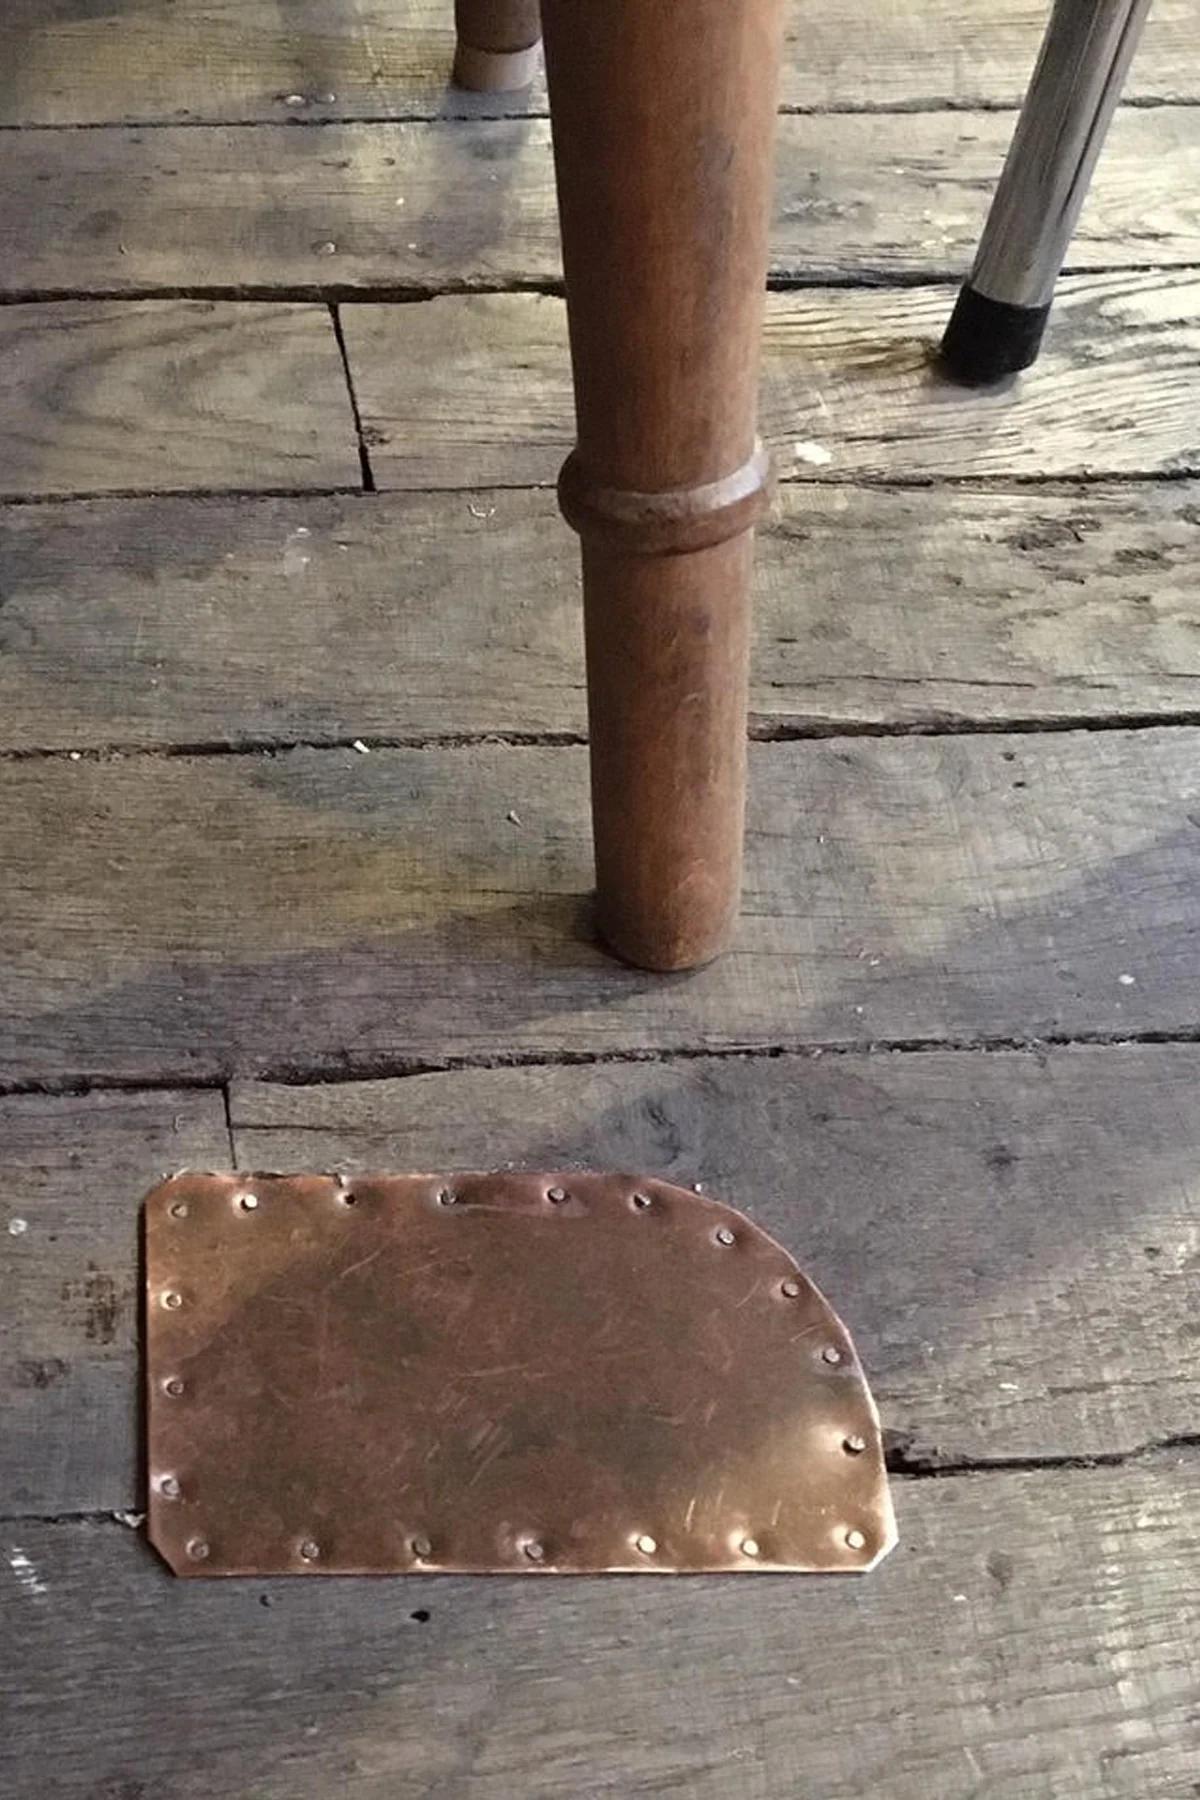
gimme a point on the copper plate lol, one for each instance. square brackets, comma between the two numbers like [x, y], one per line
[536, 1373]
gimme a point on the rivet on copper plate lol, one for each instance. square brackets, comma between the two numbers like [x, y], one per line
[556, 1195]
[198, 1549]
[447, 1198]
[172, 1301]
[173, 1386]
[346, 1196]
[725, 1236]
[169, 1487]
[642, 1201]
[646, 1545]
[179, 1209]
[854, 1446]
[856, 1540]
[421, 1546]
[535, 1552]
[831, 1354]
[248, 1202]
[749, 1547]
[790, 1290]
[310, 1550]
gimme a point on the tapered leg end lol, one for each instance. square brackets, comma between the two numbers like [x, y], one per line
[988, 339]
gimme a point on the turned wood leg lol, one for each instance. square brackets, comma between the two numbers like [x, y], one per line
[664, 119]
[497, 44]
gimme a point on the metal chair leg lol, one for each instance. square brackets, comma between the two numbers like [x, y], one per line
[997, 325]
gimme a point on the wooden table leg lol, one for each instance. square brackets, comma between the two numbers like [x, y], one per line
[664, 118]
[497, 44]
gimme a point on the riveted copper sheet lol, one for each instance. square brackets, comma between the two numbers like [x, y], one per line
[528, 1373]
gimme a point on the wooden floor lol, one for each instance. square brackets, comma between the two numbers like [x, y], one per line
[294, 863]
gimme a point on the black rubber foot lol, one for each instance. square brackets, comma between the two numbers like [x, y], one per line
[988, 339]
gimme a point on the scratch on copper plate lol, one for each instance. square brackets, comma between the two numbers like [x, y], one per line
[362, 1263]
[499, 1369]
[776, 1513]
[690, 1514]
[726, 1352]
[709, 1411]
[746, 1298]
[498, 1448]
[807, 1332]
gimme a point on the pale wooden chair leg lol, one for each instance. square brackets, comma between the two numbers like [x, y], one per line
[497, 44]
[664, 121]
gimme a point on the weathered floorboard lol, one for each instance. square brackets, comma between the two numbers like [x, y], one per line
[65, 63]
[433, 206]
[172, 394]
[1035, 1634]
[987, 1224]
[176, 621]
[72, 1170]
[325, 912]
[468, 391]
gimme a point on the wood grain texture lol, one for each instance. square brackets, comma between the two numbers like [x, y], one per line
[327, 912]
[431, 206]
[169, 395]
[467, 391]
[986, 1224]
[219, 59]
[176, 621]
[1058, 1188]
[72, 1171]
[1035, 1634]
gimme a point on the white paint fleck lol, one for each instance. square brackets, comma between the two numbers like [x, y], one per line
[816, 454]
[1009, 1387]
[134, 1520]
[514, 818]
[25, 1572]
[1127, 980]
[960, 1599]
[74, 755]
[17, 1227]
[295, 552]
[481, 512]
[363, 749]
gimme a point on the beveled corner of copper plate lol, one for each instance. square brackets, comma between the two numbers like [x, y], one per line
[561, 1373]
